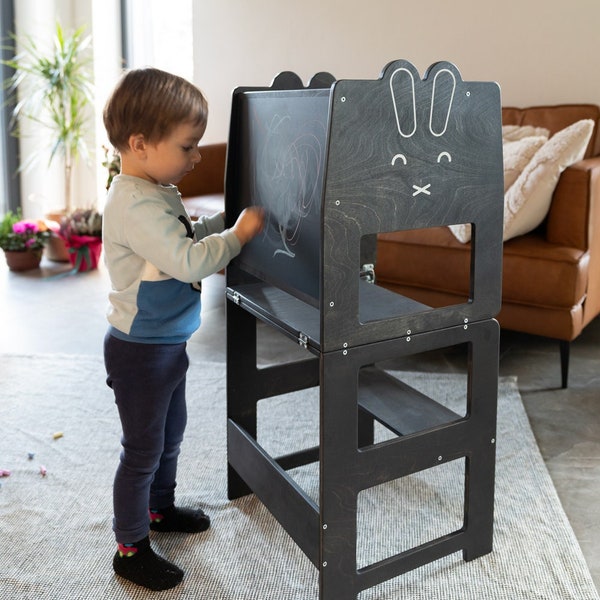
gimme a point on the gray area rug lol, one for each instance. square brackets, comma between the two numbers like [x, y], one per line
[55, 530]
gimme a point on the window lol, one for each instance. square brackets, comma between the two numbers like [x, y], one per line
[9, 181]
[158, 34]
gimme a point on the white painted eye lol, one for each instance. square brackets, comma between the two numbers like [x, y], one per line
[399, 156]
[444, 155]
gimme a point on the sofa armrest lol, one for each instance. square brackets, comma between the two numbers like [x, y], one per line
[574, 207]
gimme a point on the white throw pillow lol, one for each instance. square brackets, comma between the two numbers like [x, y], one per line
[461, 232]
[527, 201]
[516, 156]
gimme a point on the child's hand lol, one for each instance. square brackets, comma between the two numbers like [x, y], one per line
[249, 224]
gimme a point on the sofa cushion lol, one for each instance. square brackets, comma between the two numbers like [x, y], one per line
[533, 272]
[514, 133]
[538, 273]
[205, 205]
[427, 258]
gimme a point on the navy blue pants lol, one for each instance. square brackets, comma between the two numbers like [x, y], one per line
[148, 381]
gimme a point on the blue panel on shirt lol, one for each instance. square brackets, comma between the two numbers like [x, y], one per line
[168, 312]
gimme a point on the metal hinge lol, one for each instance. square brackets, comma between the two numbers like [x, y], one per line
[303, 340]
[235, 297]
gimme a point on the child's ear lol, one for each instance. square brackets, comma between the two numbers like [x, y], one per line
[137, 143]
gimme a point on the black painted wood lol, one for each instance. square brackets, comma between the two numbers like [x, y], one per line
[565, 353]
[396, 405]
[296, 512]
[337, 164]
[296, 318]
[401, 152]
[406, 153]
[347, 468]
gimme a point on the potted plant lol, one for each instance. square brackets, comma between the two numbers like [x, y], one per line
[22, 241]
[53, 89]
[112, 163]
[81, 231]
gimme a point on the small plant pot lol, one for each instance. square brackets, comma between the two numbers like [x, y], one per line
[24, 260]
[84, 252]
[56, 250]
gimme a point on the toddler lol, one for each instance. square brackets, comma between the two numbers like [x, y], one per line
[156, 258]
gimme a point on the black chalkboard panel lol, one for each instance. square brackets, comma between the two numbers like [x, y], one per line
[280, 155]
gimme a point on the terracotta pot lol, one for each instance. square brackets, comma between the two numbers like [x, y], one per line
[57, 250]
[24, 260]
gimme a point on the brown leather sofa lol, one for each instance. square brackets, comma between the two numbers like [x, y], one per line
[202, 190]
[550, 276]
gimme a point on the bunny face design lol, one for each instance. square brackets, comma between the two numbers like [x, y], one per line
[407, 152]
[423, 120]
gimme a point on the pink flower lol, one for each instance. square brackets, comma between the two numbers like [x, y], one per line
[23, 227]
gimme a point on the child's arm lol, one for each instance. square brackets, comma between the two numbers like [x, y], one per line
[248, 224]
[162, 240]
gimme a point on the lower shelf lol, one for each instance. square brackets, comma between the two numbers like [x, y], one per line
[397, 406]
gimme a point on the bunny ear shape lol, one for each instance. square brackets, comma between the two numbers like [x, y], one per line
[323, 79]
[287, 80]
[402, 88]
[442, 95]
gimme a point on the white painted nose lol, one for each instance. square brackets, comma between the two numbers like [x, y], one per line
[421, 190]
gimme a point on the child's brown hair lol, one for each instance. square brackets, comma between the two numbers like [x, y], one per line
[151, 102]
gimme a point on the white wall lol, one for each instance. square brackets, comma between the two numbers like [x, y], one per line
[540, 51]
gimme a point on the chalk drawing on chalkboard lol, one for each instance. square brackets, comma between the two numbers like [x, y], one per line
[282, 142]
[287, 178]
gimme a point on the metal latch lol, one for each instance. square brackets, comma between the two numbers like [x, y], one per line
[303, 340]
[367, 272]
[235, 297]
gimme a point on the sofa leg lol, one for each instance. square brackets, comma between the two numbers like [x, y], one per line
[565, 349]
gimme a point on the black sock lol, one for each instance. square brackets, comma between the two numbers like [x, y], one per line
[178, 519]
[140, 564]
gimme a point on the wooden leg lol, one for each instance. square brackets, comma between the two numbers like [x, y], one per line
[241, 381]
[338, 494]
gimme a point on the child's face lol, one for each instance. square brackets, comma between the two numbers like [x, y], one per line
[174, 156]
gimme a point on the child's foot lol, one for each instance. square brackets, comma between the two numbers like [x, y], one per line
[141, 565]
[185, 520]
